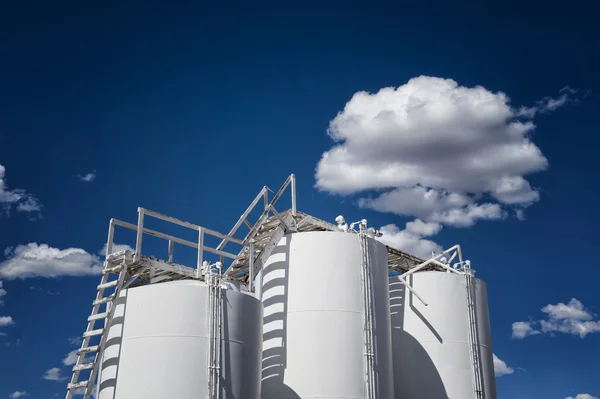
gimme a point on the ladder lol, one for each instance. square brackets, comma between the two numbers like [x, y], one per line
[111, 268]
[473, 335]
[215, 316]
[367, 290]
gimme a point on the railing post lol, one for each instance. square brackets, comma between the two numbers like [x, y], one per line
[140, 234]
[266, 198]
[171, 251]
[293, 194]
[111, 235]
[200, 252]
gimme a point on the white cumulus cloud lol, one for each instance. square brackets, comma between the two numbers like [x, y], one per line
[6, 321]
[501, 368]
[18, 394]
[582, 396]
[53, 375]
[411, 238]
[33, 260]
[22, 200]
[437, 151]
[571, 318]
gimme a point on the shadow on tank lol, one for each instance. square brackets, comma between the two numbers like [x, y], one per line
[274, 359]
[411, 361]
[114, 342]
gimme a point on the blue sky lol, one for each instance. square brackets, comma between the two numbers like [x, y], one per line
[188, 110]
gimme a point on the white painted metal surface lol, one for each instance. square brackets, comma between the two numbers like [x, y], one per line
[157, 344]
[313, 318]
[431, 352]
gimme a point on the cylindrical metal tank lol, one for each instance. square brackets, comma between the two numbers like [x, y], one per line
[313, 332]
[157, 345]
[431, 349]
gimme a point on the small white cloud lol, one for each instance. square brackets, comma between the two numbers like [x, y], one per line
[71, 358]
[571, 318]
[6, 321]
[76, 341]
[53, 375]
[18, 394]
[410, 240]
[2, 292]
[116, 248]
[22, 200]
[88, 178]
[522, 329]
[582, 396]
[33, 260]
[501, 368]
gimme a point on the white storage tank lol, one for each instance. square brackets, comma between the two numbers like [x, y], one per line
[431, 350]
[313, 328]
[157, 344]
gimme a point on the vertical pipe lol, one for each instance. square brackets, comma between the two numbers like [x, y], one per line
[111, 236]
[251, 267]
[200, 252]
[293, 194]
[171, 251]
[140, 233]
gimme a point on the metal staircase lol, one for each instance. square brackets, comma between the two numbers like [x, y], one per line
[115, 264]
[474, 335]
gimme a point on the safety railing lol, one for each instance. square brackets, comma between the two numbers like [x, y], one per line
[199, 245]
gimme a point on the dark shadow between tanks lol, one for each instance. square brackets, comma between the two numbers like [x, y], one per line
[415, 374]
[114, 341]
[274, 360]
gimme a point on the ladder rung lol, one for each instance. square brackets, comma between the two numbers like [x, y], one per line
[98, 316]
[89, 349]
[108, 285]
[109, 270]
[93, 333]
[76, 385]
[85, 366]
[104, 300]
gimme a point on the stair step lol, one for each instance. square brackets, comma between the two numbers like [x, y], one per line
[104, 300]
[98, 316]
[93, 333]
[114, 269]
[89, 349]
[85, 366]
[108, 285]
[80, 384]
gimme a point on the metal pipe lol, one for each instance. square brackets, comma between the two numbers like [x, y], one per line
[412, 290]
[251, 268]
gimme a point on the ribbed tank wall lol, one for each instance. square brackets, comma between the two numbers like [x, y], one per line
[431, 353]
[313, 318]
[157, 344]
